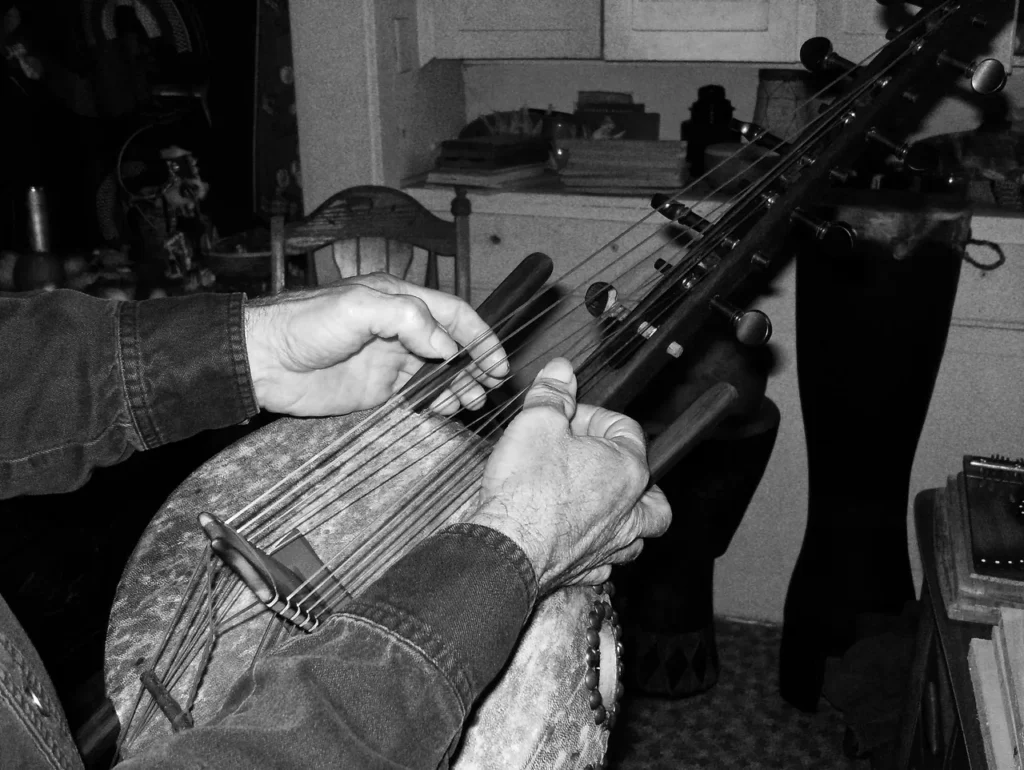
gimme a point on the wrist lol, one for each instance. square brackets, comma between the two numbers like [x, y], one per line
[258, 350]
[500, 517]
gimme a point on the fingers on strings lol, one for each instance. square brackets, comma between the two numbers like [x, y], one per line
[623, 431]
[490, 364]
[554, 388]
[463, 391]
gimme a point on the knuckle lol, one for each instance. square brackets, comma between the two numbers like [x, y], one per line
[547, 393]
[378, 278]
[639, 472]
[413, 309]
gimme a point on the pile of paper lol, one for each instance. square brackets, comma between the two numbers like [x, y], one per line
[997, 673]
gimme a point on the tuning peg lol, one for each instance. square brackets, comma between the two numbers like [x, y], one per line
[913, 157]
[837, 237]
[818, 55]
[988, 76]
[686, 217]
[757, 135]
[683, 215]
[752, 327]
[673, 210]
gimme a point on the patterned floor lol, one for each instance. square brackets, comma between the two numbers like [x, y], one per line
[740, 723]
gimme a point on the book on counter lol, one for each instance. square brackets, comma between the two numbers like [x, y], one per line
[493, 152]
[996, 666]
[623, 164]
[979, 540]
[993, 716]
[495, 178]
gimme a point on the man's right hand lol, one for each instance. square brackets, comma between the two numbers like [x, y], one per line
[568, 483]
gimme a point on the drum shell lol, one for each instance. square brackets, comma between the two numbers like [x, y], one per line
[542, 692]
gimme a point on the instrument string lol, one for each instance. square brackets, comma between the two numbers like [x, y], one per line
[407, 426]
[793, 157]
[306, 478]
[707, 240]
[586, 261]
[715, 234]
[310, 478]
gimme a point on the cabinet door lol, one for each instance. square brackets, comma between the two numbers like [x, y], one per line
[515, 29]
[707, 30]
[857, 29]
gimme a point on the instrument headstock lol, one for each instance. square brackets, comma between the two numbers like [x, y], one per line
[880, 102]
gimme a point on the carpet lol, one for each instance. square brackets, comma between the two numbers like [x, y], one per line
[741, 722]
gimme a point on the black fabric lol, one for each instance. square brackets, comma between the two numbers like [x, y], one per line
[871, 331]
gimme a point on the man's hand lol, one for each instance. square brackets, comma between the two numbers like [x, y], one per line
[568, 483]
[353, 344]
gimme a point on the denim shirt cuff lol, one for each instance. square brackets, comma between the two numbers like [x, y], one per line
[462, 597]
[184, 365]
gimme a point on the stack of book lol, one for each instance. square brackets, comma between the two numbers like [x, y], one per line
[997, 674]
[614, 115]
[491, 161]
[623, 165]
[979, 540]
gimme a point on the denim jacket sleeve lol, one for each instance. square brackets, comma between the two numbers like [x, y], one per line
[86, 381]
[388, 682]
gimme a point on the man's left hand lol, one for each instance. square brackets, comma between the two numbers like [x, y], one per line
[353, 344]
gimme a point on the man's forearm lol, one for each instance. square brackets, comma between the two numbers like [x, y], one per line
[86, 381]
[388, 681]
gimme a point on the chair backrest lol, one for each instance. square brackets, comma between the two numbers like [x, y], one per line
[371, 228]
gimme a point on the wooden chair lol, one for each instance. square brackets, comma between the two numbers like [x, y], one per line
[371, 228]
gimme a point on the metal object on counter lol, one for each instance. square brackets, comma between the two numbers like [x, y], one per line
[38, 220]
[39, 268]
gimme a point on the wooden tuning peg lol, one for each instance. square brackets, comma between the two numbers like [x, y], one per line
[818, 55]
[679, 213]
[601, 298]
[837, 237]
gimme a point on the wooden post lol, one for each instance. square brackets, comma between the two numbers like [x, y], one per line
[461, 209]
[277, 266]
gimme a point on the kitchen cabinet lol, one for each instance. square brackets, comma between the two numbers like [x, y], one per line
[498, 29]
[707, 30]
[766, 31]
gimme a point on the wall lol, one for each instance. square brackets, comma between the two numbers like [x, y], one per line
[367, 112]
[333, 97]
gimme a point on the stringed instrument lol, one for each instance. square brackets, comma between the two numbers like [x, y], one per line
[280, 530]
